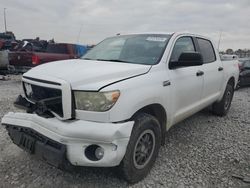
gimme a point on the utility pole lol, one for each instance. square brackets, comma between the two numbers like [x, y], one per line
[79, 34]
[219, 41]
[5, 25]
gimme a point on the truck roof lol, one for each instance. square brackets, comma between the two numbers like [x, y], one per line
[166, 33]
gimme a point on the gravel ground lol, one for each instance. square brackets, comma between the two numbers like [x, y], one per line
[202, 151]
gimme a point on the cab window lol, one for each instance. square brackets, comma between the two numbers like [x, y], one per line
[207, 50]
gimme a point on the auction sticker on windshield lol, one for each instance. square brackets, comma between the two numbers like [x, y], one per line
[157, 39]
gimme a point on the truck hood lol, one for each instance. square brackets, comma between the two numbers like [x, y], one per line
[87, 74]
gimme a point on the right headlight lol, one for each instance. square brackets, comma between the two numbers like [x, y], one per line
[95, 101]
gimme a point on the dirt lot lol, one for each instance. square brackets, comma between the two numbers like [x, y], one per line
[202, 151]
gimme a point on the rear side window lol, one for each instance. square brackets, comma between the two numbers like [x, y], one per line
[207, 50]
[183, 44]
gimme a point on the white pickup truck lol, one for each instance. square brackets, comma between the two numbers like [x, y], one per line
[113, 106]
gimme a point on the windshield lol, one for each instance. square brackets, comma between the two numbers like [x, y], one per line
[138, 49]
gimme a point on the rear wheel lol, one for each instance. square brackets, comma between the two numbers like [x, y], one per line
[221, 108]
[142, 149]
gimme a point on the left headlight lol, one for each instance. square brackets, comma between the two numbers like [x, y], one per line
[95, 101]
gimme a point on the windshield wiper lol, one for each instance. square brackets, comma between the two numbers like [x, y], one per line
[114, 60]
[110, 60]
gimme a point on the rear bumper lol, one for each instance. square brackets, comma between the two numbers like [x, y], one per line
[76, 135]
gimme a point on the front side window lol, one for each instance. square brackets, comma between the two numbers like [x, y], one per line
[183, 44]
[207, 50]
[136, 49]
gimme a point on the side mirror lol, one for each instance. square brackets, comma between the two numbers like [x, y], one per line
[187, 59]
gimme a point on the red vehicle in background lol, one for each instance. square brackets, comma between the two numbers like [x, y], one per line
[21, 61]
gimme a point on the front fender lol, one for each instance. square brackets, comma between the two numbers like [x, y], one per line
[139, 92]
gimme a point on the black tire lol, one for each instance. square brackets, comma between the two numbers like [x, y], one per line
[129, 168]
[221, 108]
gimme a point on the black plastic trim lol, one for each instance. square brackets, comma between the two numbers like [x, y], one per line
[43, 147]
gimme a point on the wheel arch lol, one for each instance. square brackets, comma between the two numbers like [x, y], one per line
[231, 81]
[159, 112]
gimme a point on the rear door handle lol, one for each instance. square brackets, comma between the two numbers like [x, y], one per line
[220, 69]
[199, 73]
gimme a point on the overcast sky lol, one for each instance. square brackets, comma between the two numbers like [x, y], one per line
[98, 19]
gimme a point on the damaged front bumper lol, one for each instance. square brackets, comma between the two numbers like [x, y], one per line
[73, 135]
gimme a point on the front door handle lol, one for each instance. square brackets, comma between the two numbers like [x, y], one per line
[199, 73]
[166, 83]
[220, 69]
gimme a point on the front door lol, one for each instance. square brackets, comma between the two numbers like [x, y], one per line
[186, 84]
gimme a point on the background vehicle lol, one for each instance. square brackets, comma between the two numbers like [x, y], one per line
[244, 78]
[113, 106]
[21, 61]
[7, 40]
[227, 57]
[4, 60]
[34, 45]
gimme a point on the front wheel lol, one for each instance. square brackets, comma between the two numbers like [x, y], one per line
[142, 149]
[221, 108]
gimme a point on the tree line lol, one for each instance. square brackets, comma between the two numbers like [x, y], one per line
[241, 53]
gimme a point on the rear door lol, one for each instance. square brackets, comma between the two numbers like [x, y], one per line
[213, 71]
[186, 85]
